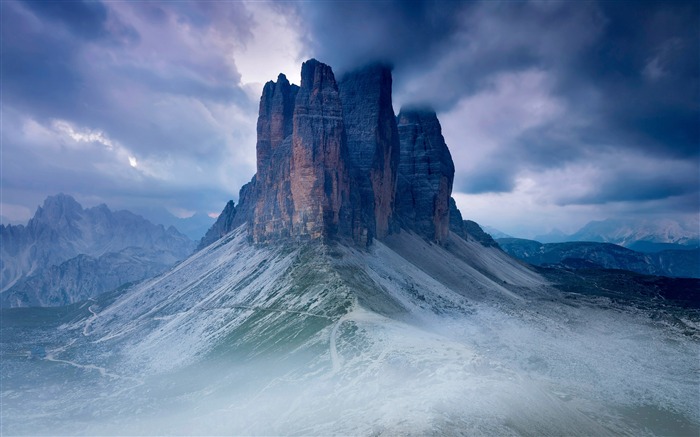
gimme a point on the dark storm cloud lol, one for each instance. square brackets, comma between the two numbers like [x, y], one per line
[638, 187]
[350, 33]
[488, 177]
[456, 44]
[587, 93]
[48, 70]
[150, 81]
[626, 75]
[646, 64]
[84, 19]
[38, 61]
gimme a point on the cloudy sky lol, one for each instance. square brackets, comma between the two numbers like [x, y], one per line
[556, 113]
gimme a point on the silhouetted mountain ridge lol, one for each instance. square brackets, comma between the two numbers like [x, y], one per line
[580, 255]
[48, 261]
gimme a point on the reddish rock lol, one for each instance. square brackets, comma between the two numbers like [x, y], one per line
[320, 180]
[273, 206]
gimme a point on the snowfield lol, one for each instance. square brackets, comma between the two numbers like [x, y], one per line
[405, 338]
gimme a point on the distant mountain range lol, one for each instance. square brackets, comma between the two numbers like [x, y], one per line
[593, 255]
[66, 253]
[644, 235]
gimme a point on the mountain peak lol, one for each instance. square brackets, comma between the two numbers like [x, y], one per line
[63, 244]
[631, 231]
[333, 161]
[59, 211]
[57, 206]
[317, 75]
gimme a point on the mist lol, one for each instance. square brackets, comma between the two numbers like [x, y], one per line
[411, 357]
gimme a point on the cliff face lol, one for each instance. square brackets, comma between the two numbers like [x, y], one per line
[332, 162]
[222, 226]
[233, 215]
[373, 143]
[273, 206]
[426, 174]
[320, 178]
[456, 221]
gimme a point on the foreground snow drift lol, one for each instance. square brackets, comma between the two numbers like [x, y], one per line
[406, 338]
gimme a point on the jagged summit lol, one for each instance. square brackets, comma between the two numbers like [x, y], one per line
[57, 210]
[66, 253]
[334, 162]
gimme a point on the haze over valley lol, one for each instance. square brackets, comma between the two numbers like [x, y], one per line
[266, 218]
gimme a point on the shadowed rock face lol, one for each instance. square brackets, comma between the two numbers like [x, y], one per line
[467, 229]
[456, 221]
[373, 143]
[320, 179]
[233, 215]
[222, 226]
[426, 174]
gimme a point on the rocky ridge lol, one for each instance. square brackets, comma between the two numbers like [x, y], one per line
[33, 257]
[334, 162]
[426, 174]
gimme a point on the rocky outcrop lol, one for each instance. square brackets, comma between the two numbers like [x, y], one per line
[426, 174]
[320, 179]
[456, 221]
[334, 161]
[221, 227]
[467, 229]
[373, 143]
[273, 206]
[473, 230]
[245, 210]
[232, 216]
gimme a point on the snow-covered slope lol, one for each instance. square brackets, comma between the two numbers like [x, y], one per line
[406, 337]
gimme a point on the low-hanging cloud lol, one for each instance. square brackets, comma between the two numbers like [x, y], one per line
[528, 87]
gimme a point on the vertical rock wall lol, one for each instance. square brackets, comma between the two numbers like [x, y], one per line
[373, 143]
[273, 206]
[426, 174]
[320, 180]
